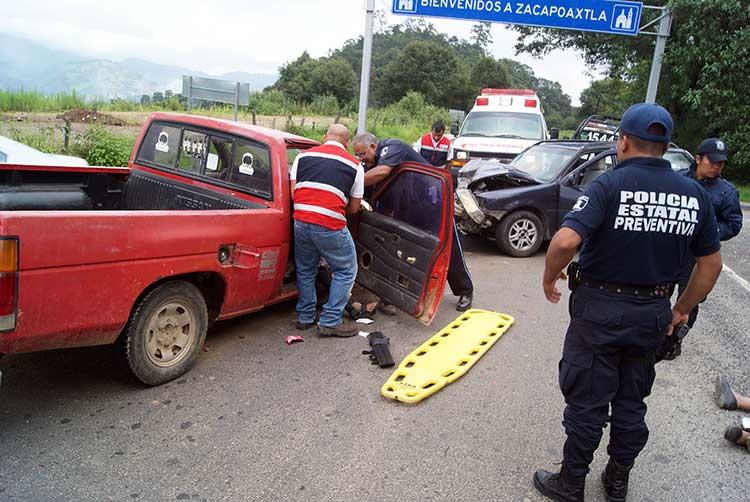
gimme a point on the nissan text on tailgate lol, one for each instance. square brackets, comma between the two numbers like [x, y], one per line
[196, 230]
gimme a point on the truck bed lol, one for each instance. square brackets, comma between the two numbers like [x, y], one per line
[93, 239]
[41, 188]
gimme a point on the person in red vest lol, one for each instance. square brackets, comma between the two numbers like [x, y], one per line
[433, 146]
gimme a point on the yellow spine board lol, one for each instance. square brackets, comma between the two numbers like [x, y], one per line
[446, 356]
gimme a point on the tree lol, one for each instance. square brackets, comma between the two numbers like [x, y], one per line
[521, 75]
[157, 97]
[145, 100]
[294, 78]
[481, 35]
[334, 77]
[608, 96]
[427, 68]
[703, 77]
[489, 72]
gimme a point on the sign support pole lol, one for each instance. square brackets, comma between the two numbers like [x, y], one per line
[665, 25]
[364, 84]
[190, 94]
[236, 100]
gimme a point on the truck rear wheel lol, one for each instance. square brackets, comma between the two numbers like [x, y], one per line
[165, 333]
[519, 234]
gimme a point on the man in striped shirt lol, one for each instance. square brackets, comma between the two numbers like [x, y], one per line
[434, 146]
[326, 183]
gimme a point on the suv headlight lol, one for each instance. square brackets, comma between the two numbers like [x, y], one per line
[461, 155]
[469, 202]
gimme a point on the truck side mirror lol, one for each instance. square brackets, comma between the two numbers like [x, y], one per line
[454, 129]
[554, 133]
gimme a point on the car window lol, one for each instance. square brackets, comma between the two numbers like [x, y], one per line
[595, 169]
[251, 168]
[291, 155]
[678, 160]
[160, 146]
[219, 158]
[193, 151]
[545, 161]
[3, 157]
[415, 199]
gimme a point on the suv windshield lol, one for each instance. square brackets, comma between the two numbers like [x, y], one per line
[544, 162]
[503, 125]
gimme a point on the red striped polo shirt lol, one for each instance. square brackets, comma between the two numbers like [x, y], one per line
[326, 176]
[435, 153]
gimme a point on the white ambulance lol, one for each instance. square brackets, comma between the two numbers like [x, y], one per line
[502, 123]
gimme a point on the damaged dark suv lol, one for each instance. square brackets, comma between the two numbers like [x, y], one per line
[522, 204]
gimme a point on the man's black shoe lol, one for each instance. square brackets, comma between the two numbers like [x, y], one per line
[615, 480]
[464, 303]
[559, 486]
[343, 330]
[724, 395]
[304, 326]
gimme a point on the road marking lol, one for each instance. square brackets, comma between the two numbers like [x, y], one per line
[739, 280]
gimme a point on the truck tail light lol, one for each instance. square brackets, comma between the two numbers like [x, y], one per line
[483, 101]
[8, 283]
[530, 103]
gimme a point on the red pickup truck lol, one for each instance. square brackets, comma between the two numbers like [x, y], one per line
[197, 229]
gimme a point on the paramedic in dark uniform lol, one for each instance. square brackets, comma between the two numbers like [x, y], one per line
[434, 146]
[379, 158]
[706, 170]
[635, 222]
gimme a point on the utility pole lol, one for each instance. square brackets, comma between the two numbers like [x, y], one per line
[665, 27]
[364, 84]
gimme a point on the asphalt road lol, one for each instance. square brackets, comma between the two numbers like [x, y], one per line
[257, 420]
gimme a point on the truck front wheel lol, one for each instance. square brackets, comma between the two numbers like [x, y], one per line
[519, 234]
[165, 333]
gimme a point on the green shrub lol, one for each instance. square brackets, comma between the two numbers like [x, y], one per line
[325, 105]
[102, 148]
[43, 139]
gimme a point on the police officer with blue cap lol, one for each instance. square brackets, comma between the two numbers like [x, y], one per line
[635, 224]
[706, 170]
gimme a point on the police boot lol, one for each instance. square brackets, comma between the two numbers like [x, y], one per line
[615, 481]
[560, 486]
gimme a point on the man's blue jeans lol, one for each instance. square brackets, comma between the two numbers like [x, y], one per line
[311, 242]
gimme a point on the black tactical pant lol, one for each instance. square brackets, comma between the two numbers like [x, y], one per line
[608, 360]
[458, 274]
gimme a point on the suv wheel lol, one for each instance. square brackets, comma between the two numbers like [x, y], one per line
[520, 234]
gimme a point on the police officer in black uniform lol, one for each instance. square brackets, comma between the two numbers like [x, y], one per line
[636, 223]
[706, 170]
[379, 158]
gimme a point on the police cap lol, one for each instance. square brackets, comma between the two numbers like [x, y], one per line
[715, 148]
[639, 117]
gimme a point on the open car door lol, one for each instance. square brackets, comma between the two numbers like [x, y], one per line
[404, 243]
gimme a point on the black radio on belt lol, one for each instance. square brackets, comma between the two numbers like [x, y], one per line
[665, 350]
[574, 275]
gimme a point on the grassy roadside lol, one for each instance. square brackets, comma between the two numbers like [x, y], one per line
[744, 192]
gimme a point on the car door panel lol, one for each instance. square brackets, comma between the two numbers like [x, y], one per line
[394, 259]
[574, 182]
[403, 245]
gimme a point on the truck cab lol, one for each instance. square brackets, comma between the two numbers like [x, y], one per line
[502, 123]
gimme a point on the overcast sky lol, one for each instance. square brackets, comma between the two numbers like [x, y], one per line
[226, 35]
